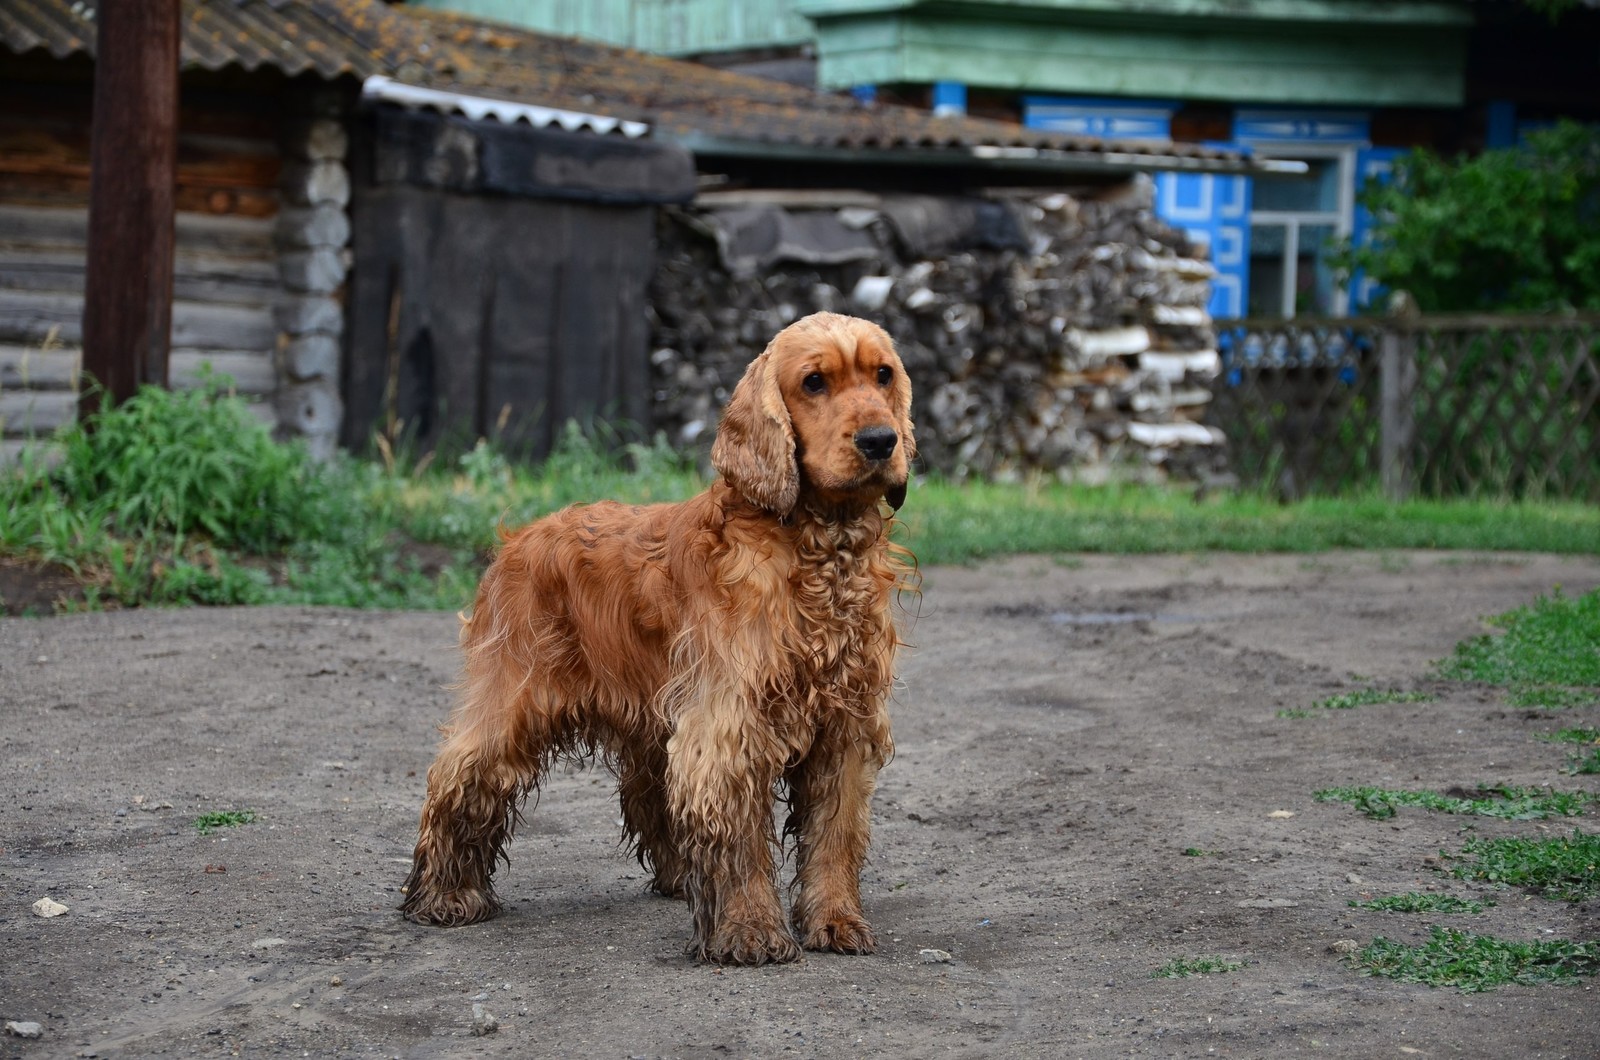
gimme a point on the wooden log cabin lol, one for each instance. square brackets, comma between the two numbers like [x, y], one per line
[227, 278]
[392, 219]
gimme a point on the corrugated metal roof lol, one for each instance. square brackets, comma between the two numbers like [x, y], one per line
[703, 108]
[326, 37]
[701, 105]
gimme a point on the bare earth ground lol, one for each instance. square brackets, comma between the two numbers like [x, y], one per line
[1065, 731]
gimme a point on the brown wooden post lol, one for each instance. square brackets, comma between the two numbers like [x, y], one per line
[127, 306]
[1397, 377]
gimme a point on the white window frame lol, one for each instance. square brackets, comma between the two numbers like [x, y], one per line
[1343, 219]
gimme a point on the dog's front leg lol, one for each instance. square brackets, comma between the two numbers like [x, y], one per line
[721, 767]
[831, 820]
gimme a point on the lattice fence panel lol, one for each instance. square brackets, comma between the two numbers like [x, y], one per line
[1478, 406]
[1507, 412]
[1299, 405]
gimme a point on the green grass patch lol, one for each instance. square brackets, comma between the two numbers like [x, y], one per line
[1196, 852]
[206, 822]
[1473, 963]
[1574, 735]
[1415, 902]
[960, 523]
[1183, 967]
[1548, 653]
[180, 497]
[1504, 801]
[1565, 867]
[1553, 697]
[1361, 697]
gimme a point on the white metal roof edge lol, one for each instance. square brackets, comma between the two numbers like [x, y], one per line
[388, 90]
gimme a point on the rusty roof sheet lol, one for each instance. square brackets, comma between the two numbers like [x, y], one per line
[697, 105]
[328, 38]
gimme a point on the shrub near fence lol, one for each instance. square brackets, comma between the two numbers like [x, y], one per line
[1437, 406]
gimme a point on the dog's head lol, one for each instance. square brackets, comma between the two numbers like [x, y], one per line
[825, 411]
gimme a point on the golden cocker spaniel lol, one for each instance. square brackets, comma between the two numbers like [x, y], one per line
[708, 650]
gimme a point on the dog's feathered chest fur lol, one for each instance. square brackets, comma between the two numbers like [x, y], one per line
[840, 587]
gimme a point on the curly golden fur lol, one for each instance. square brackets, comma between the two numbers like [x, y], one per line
[713, 652]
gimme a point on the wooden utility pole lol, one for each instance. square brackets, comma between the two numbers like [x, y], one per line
[133, 153]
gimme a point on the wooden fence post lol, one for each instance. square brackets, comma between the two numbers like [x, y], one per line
[1397, 368]
[127, 306]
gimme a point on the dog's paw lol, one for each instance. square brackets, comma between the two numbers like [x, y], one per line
[668, 886]
[747, 944]
[843, 933]
[451, 909]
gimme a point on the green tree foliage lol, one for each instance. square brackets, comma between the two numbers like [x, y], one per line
[1516, 228]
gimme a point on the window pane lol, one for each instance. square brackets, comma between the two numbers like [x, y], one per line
[1314, 277]
[1317, 192]
[1266, 271]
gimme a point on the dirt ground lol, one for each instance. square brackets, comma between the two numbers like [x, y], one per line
[1066, 730]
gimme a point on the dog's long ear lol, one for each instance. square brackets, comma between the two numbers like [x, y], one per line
[754, 449]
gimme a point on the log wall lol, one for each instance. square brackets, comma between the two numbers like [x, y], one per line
[227, 272]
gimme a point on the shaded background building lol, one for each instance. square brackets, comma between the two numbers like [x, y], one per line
[1343, 85]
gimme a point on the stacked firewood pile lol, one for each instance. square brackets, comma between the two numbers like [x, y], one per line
[1043, 334]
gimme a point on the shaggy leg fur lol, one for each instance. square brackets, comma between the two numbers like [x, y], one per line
[645, 820]
[719, 789]
[498, 741]
[830, 816]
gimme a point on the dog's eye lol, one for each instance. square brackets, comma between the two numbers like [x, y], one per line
[885, 375]
[814, 383]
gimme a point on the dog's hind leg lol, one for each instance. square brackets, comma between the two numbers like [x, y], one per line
[502, 733]
[830, 818]
[645, 819]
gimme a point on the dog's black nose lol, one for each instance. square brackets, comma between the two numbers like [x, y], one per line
[876, 443]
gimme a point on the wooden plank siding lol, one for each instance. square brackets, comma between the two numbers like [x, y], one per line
[226, 280]
[666, 27]
[1331, 65]
[472, 316]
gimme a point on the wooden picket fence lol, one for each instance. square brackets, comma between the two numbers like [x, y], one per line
[1434, 406]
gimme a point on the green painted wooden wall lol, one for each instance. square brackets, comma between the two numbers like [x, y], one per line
[668, 27]
[1395, 65]
[1304, 52]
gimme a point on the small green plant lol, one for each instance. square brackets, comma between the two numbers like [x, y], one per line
[1473, 963]
[1504, 801]
[1413, 902]
[1196, 852]
[223, 819]
[1584, 763]
[1183, 967]
[1565, 867]
[1361, 697]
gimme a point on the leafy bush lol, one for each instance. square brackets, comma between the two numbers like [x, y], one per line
[178, 463]
[1515, 228]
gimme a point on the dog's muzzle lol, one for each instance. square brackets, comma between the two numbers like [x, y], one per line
[876, 443]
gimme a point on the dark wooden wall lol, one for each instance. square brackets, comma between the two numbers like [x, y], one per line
[499, 285]
[500, 317]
